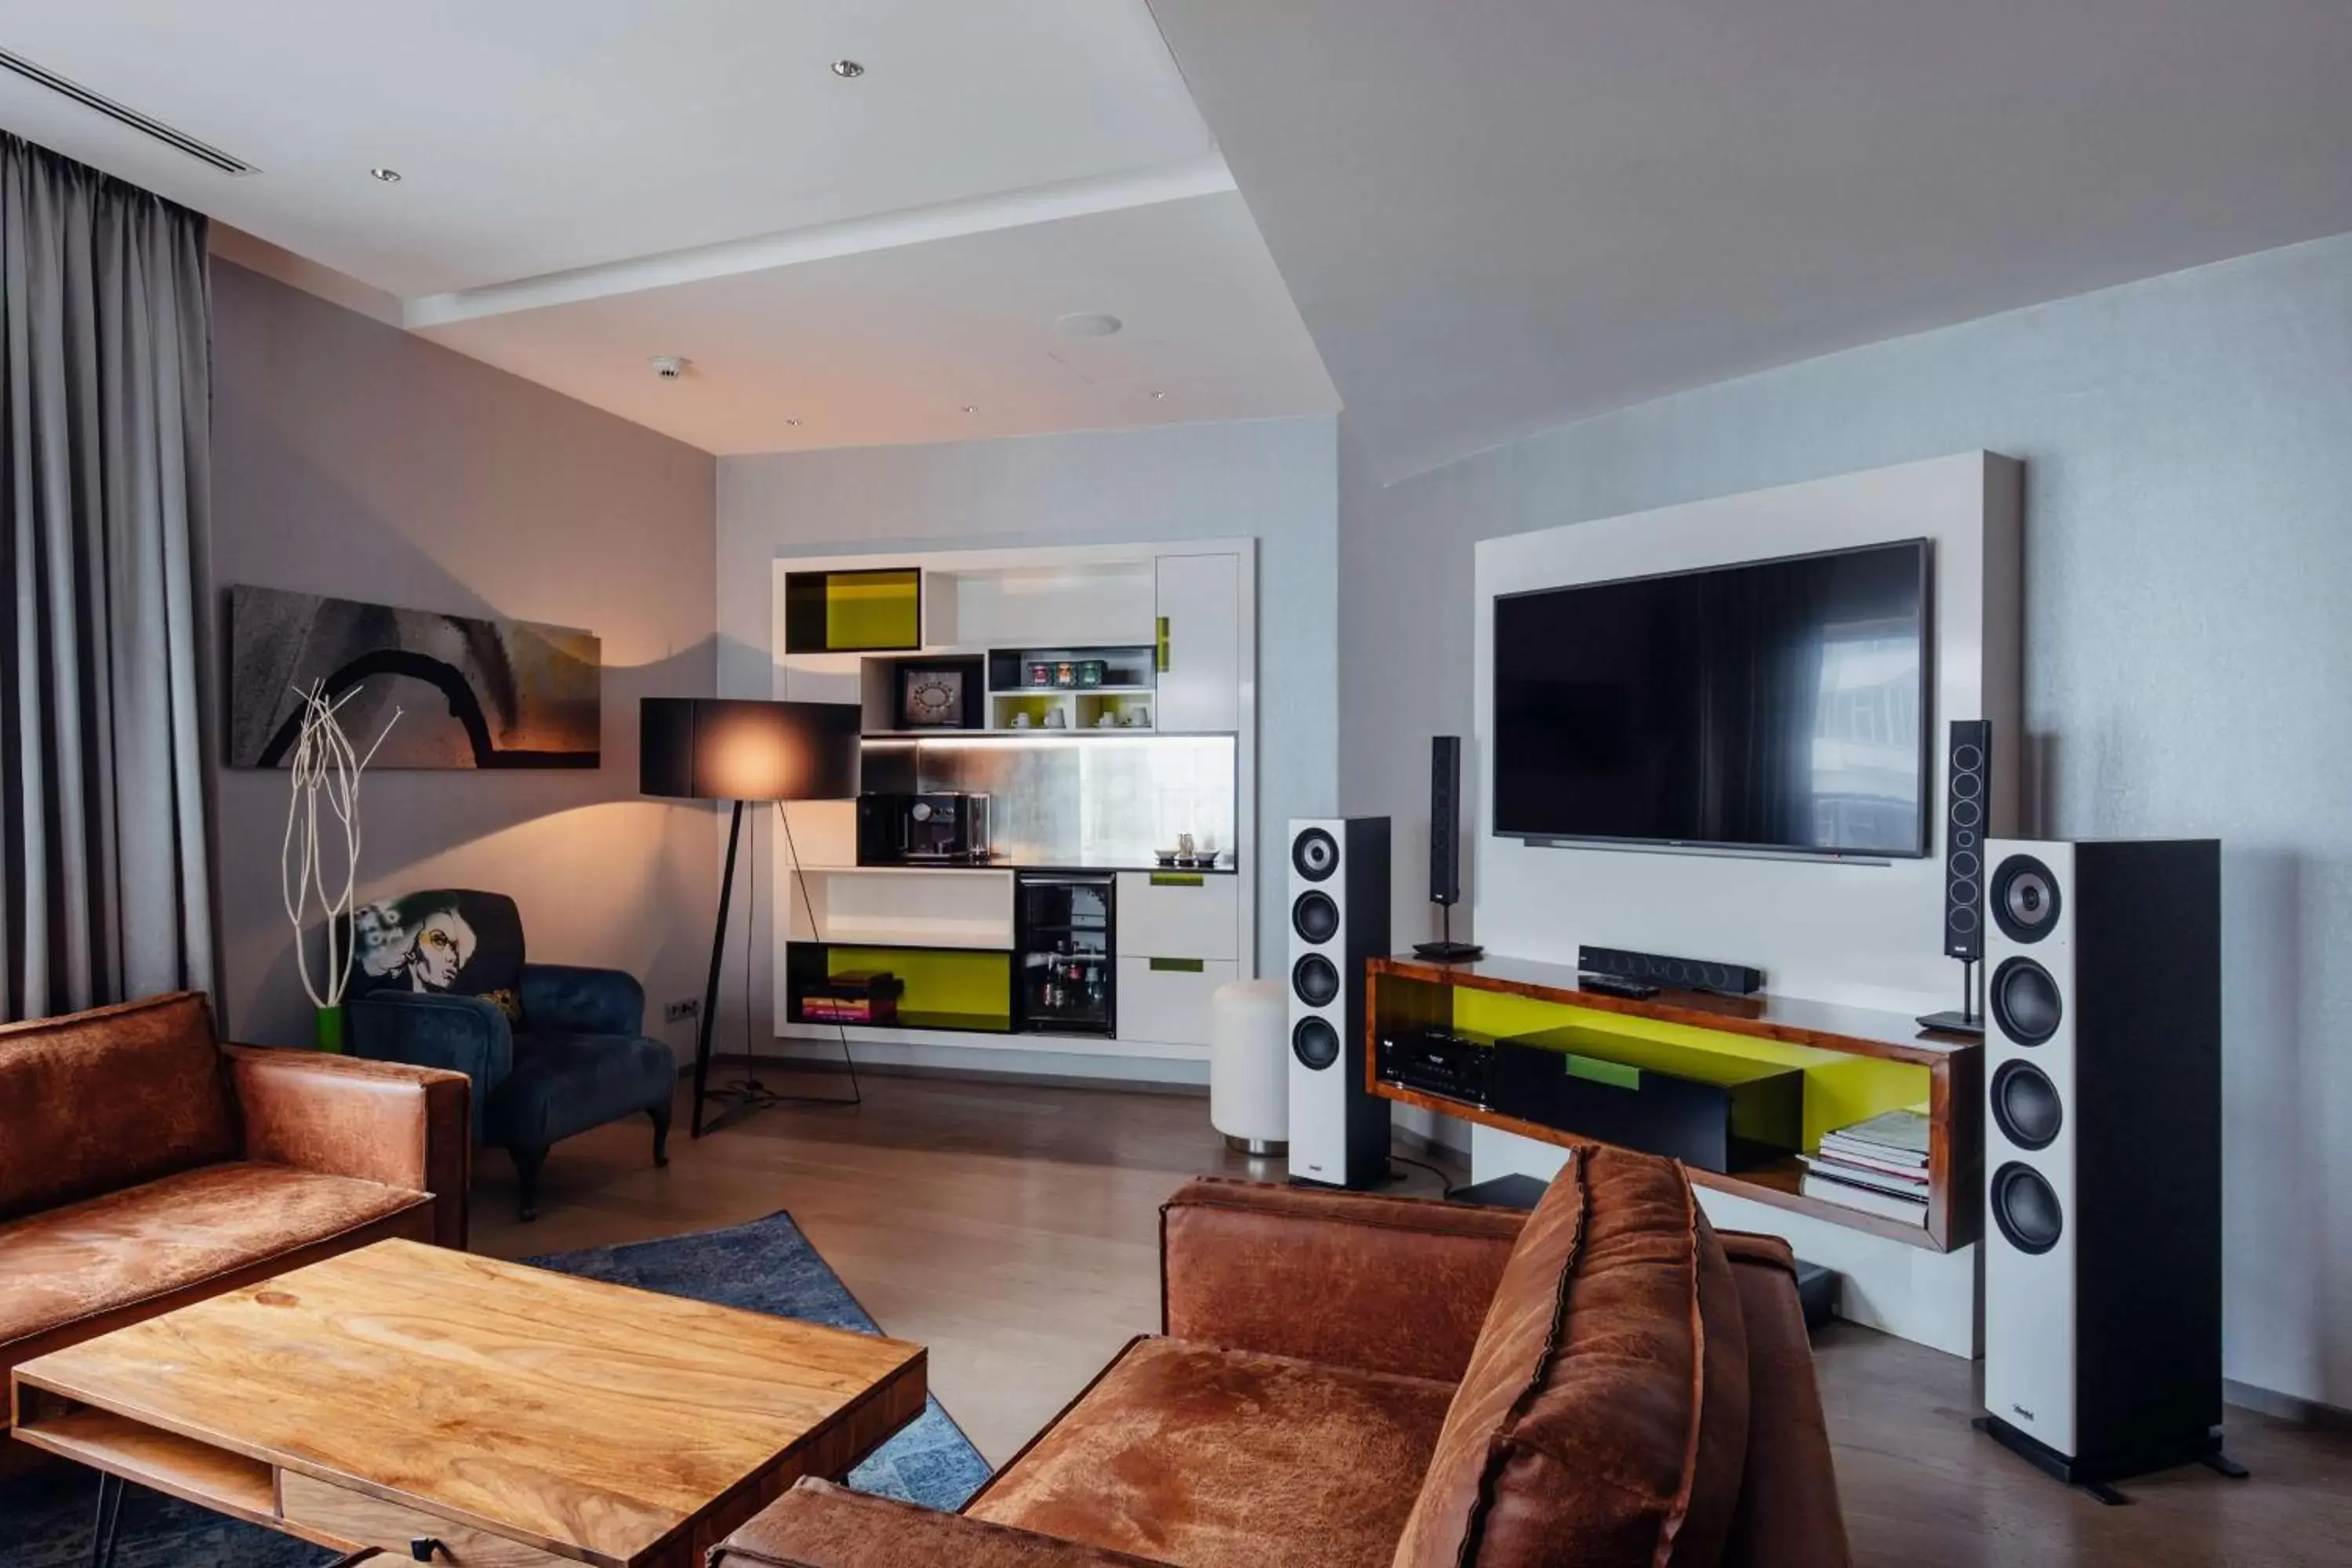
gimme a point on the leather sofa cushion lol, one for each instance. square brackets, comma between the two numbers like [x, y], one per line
[1219, 1458]
[80, 1270]
[108, 1098]
[1603, 1419]
[1789, 1515]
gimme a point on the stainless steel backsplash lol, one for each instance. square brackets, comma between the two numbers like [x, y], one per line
[1079, 800]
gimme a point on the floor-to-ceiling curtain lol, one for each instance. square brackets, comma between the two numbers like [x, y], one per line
[105, 448]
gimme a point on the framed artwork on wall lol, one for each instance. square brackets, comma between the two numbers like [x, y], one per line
[473, 692]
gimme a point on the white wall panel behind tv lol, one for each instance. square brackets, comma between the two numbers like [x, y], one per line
[1855, 931]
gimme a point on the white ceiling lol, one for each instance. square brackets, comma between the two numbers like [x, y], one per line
[892, 345]
[1496, 216]
[590, 183]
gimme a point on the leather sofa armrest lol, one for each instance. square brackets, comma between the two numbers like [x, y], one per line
[1381, 1284]
[457, 1034]
[567, 997]
[1788, 1515]
[379, 1121]
[819, 1525]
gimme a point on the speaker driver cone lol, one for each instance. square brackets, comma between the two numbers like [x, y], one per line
[2025, 1105]
[1314, 855]
[2024, 899]
[1315, 980]
[1315, 1043]
[1315, 916]
[2025, 1207]
[2025, 1002]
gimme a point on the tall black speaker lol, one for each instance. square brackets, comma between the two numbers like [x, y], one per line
[1445, 848]
[1968, 775]
[1968, 813]
[2103, 1154]
[1444, 819]
[1339, 918]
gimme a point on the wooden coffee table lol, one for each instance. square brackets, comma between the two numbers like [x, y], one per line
[403, 1394]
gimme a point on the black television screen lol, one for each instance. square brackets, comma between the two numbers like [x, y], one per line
[1774, 705]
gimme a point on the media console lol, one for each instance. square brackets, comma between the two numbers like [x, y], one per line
[1855, 1062]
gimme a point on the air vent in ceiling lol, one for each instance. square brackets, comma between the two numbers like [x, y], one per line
[154, 129]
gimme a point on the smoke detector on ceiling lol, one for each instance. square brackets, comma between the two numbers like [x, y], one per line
[671, 367]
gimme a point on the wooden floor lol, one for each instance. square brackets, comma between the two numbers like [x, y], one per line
[1014, 1231]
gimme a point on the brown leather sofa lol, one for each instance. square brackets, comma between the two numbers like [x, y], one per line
[144, 1165]
[1351, 1381]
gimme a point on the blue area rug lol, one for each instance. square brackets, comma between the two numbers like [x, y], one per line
[767, 1265]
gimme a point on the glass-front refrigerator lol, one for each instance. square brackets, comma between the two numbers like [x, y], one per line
[1063, 984]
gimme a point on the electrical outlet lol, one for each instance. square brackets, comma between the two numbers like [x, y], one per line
[678, 1012]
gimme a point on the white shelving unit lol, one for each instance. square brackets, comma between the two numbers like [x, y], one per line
[1176, 623]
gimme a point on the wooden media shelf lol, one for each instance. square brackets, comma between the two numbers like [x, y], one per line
[1857, 1061]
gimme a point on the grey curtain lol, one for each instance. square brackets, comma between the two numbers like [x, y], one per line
[105, 448]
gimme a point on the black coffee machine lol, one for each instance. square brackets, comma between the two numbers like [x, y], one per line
[943, 827]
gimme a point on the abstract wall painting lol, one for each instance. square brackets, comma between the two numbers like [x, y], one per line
[475, 693]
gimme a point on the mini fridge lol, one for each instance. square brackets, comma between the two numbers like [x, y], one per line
[1063, 970]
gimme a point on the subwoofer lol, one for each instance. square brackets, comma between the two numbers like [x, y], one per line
[1339, 918]
[2103, 1154]
[1968, 778]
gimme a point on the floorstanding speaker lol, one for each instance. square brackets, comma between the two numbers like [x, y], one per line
[2103, 1154]
[1339, 918]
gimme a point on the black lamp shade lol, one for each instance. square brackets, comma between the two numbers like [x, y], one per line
[710, 748]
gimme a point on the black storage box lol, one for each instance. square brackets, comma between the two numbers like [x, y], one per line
[1709, 1109]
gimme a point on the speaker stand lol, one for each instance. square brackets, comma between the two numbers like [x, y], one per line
[1969, 1019]
[1448, 951]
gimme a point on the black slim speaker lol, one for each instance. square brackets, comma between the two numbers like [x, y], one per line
[1968, 786]
[1445, 819]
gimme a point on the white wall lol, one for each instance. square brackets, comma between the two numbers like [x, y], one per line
[1274, 480]
[2188, 444]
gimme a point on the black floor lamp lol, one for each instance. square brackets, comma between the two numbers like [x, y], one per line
[706, 748]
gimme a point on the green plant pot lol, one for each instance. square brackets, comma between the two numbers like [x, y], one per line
[330, 1029]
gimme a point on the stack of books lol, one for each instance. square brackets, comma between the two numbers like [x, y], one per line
[854, 997]
[1879, 1166]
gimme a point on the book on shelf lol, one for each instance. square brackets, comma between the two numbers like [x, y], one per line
[1907, 1187]
[1868, 1200]
[1895, 1134]
[1871, 1158]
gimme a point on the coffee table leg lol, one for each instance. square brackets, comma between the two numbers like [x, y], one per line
[108, 1516]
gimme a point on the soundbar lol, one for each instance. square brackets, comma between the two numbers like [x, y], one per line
[1681, 973]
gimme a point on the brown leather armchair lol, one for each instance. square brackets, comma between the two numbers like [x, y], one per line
[1351, 1382]
[144, 1165]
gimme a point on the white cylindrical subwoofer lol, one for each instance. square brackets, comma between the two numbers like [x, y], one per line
[1249, 1065]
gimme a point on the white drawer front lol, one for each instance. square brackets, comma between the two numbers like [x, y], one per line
[1167, 1002]
[1181, 914]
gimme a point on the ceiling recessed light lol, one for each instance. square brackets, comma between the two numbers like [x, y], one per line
[1157, 394]
[1088, 324]
[793, 423]
[670, 367]
[971, 408]
[848, 70]
[387, 176]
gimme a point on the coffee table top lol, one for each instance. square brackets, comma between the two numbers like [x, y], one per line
[594, 1418]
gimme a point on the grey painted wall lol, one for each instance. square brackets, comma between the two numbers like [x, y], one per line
[1273, 480]
[2188, 444]
[352, 459]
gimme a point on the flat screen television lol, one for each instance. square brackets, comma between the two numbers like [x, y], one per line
[1772, 706]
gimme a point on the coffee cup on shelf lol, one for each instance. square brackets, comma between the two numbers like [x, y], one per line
[1021, 721]
[1054, 720]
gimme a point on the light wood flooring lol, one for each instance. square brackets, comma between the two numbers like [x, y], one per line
[1013, 1229]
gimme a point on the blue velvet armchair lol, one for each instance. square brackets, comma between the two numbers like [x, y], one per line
[578, 1058]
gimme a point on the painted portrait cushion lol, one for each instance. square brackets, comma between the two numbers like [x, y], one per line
[451, 940]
